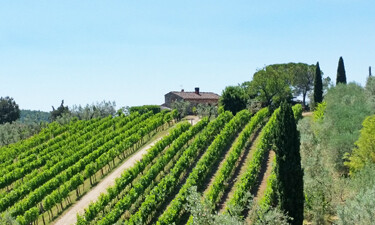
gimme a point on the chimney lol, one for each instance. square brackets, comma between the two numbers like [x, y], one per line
[197, 90]
[182, 90]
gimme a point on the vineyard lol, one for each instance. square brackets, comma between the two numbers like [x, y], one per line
[44, 176]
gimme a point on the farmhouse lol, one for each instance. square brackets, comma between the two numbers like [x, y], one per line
[194, 98]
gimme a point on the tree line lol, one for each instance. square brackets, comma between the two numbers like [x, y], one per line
[276, 83]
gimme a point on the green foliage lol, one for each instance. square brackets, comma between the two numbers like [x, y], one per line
[17, 131]
[29, 217]
[34, 116]
[64, 115]
[177, 139]
[249, 178]
[324, 141]
[143, 109]
[269, 199]
[202, 214]
[206, 110]
[174, 114]
[98, 110]
[297, 112]
[9, 110]
[318, 85]
[341, 74]
[7, 219]
[233, 99]
[319, 186]
[182, 107]
[302, 78]
[19, 149]
[370, 92]
[220, 110]
[204, 166]
[30, 123]
[358, 210]
[201, 211]
[365, 147]
[319, 111]
[346, 109]
[219, 184]
[274, 216]
[60, 111]
[169, 183]
[270, 86]
[288, 164]
[327, 84]
[51, 176]
[298, 76]
[194, 110]
[359, 206]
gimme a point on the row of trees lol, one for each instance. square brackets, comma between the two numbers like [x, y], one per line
[272, 85]
[184, 108]
[281, 82]
[10, 112]
[337, 155]
[16, 124]
[95, 110]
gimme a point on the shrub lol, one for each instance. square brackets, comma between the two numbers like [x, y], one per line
[365, 149]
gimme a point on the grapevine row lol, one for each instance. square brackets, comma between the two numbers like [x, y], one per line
[12, 151]
[102, 144]
[109, 147]
[269, 197]
[150, 173]
[170, 182]
[265, 202]
[248, 179]
[129, 175]
[202, 169]
[51, 154]
[218, 186]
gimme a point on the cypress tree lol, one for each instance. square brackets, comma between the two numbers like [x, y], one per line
[341, 75]
[318, 85]
[289, 172]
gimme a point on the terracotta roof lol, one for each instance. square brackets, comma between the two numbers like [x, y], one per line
[193, 95]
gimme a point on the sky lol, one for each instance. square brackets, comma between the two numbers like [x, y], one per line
[134, 52]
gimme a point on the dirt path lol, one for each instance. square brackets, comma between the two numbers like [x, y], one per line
[223, 158]
[265, 172]
[259, 190]
[70, 217]
[241, 169]
[193, 119]
[304, 114]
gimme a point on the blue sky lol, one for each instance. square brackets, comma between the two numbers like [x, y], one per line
[134, 52]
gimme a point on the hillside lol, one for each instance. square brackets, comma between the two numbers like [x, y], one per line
[152, 169]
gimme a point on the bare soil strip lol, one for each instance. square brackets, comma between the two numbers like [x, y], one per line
[262, 179]
[304, 114]
[210, 179]
[261, 186]
[240, 169]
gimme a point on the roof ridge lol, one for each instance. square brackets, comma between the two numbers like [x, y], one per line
[193, 92]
